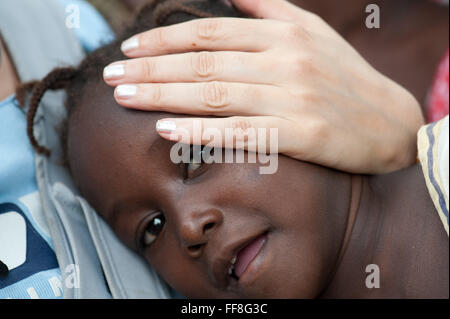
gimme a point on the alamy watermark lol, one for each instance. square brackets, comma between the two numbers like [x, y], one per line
[71, 281]
[72, 16]
[236, 145]
[373, 19]
[373, 277]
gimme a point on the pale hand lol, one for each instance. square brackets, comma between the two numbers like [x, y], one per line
[289, 71]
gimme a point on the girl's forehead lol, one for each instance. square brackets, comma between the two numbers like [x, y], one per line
[97, 109]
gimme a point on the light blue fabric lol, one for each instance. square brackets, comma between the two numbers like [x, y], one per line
[37, 274]
[37, 270]
[93, 30]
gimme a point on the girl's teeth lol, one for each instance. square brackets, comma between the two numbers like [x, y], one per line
[231, 269]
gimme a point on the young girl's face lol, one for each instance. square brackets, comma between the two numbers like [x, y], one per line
[190, 221]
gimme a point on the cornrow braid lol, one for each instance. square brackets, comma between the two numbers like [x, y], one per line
[57, 79]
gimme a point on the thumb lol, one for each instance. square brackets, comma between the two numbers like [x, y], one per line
[270, 9]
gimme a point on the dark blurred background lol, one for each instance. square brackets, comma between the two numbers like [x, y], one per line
[413, 37]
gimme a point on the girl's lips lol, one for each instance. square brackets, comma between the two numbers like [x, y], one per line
[247, 254]
[222, 261]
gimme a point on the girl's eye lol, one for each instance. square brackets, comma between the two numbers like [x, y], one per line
[196, 161]
[153, 229]
[191, 168]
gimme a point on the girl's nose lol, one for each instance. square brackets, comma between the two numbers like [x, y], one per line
[195, 229]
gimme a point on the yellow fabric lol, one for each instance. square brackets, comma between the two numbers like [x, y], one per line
[433, 148]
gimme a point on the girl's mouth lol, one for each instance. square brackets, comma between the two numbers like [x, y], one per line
[235, 259]
[245, 256]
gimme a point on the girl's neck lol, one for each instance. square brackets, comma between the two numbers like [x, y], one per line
[397, 241]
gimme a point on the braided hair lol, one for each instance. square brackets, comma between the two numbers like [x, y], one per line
[73, 80]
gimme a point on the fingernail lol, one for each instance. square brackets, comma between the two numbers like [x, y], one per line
[126, 90]
[166, 126]
[130, 44]
[114, 71]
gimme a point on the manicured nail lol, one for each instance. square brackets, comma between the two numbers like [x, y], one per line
[166, 126]
[114, 71]
[130, 44]
[126, 90]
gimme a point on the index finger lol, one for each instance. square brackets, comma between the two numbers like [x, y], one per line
[211, 34]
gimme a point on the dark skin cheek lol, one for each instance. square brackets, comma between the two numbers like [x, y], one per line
[189, 280]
